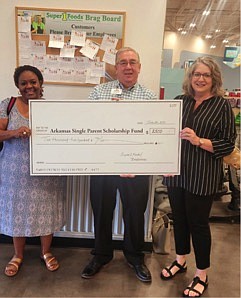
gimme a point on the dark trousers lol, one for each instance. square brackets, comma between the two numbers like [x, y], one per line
[134, 197]
[191, 221]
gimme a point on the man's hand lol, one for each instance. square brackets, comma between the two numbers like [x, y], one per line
[127, 175]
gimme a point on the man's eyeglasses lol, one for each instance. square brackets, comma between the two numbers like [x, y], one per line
[125, 63]
[198, 75]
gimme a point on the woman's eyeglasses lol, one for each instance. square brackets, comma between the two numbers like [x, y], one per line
[198, 75]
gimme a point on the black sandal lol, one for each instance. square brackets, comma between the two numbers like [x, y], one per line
[196, 281]
[182, 268]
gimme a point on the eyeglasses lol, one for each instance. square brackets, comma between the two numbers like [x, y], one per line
[198, 75]
[125, 63]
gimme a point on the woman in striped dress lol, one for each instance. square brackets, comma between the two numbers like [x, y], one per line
[208, 133]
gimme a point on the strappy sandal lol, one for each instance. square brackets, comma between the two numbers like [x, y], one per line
[196, 281]
[50, 261]
[13, 266]
[182, 268]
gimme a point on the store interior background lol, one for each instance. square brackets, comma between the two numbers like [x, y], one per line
[190, 34]
[163, 52]
[203, 28]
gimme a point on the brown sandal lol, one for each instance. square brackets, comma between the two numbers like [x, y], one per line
[13, 266]
[50, 261]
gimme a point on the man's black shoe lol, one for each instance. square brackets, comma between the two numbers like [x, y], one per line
[234, 205]
[142, 272]
[91, 269]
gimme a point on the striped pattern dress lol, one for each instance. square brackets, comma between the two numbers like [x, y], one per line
[202, 171]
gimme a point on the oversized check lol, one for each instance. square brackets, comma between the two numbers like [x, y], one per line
[80, 137]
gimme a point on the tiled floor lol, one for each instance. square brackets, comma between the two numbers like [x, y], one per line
[117, 279]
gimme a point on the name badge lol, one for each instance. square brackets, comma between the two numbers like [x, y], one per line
[116, 91]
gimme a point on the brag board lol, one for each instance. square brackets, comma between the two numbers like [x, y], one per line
[70, 47]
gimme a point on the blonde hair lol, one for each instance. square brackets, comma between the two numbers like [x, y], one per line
[216, 75]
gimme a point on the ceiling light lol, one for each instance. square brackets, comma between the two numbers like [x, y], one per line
[217, 30]
[179, 29]
[208, 36]
[206, 12]
[192, 25]
[184, 32]
[225, 41]
[212, 46]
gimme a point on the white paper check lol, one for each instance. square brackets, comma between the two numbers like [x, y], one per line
[82, 137]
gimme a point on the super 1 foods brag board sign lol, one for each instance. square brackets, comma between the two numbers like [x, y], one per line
[69, 47]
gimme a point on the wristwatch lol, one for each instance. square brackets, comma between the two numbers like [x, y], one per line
[201, 142]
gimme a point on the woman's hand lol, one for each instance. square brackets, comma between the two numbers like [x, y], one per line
[23, 132]
[189, 135]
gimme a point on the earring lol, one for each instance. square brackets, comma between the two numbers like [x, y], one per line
[41, 91]
[19, 92]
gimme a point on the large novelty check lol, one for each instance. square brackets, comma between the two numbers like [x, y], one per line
[80, 137]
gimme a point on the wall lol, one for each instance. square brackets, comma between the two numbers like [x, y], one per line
[144, 32]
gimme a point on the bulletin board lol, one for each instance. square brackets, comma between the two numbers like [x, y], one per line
[70, 47]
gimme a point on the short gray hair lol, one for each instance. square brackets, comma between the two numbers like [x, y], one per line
[126, 49]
